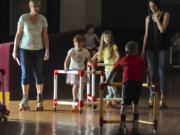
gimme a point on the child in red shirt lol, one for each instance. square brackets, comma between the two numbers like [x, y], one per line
[133, 67]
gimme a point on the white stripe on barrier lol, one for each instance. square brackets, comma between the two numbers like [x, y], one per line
[67, 72]
[110, 99]
[76, 72]
[104, 64]
[67, 103]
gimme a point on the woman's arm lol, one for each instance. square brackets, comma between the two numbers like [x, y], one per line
[95, 57]
[145, 36]
[162, 26]
[66, 63]
[46, 43]
[149, 77]
[97, 39]
[17, 40]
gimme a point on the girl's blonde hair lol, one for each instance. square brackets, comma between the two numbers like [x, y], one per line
[103, 44]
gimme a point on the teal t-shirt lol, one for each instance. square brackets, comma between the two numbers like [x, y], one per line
[32, 33]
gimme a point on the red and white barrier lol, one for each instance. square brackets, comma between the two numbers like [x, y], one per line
[91, 84]
[81, 74]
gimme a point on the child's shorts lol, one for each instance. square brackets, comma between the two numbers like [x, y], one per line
[131, 91]
[73, 79]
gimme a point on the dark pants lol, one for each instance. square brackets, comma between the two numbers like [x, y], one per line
[131, 91]
[157, 61]
[31, 59]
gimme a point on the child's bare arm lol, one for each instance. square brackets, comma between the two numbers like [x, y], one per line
[117, 56]
[95, 57]
[66, 63]
[91, 63]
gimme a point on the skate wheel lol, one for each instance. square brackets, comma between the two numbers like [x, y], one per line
[24, 108]
[27, 108]
[155, 132]
[80, 111]
[5, 119]
[74, 110]
[107, 105]
[55, 109]
[40, 108]
[7, 113]
[94, 106]
[123, 132]
[163, 107]
[150, 106]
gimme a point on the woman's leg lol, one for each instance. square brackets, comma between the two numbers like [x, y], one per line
[151, 57]
[25, 59]
[162, 73]
[152, 62]
[38, 57]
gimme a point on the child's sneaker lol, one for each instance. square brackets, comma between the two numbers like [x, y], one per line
[151, 100]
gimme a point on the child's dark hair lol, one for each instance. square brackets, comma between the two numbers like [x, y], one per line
[78, 38]
[156, 2]
[131, 48]
[89, 26]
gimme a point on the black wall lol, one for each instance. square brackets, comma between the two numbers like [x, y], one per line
[132, 13]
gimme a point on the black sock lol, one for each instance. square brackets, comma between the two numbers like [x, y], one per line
[123, 117]
[136, 116]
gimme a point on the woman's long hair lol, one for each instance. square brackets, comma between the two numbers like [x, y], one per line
[103, 44]
[156, 2]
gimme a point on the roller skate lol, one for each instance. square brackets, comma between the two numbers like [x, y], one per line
[123, 129]
[151, 100]
[163, 104]
[135, 126]
[3, 112]
[108, 103]
[40, 103]
[40, 107]
[23, 106]
[74, 107]
[115, 104]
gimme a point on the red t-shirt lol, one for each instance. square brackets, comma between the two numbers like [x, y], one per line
[132, 66]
